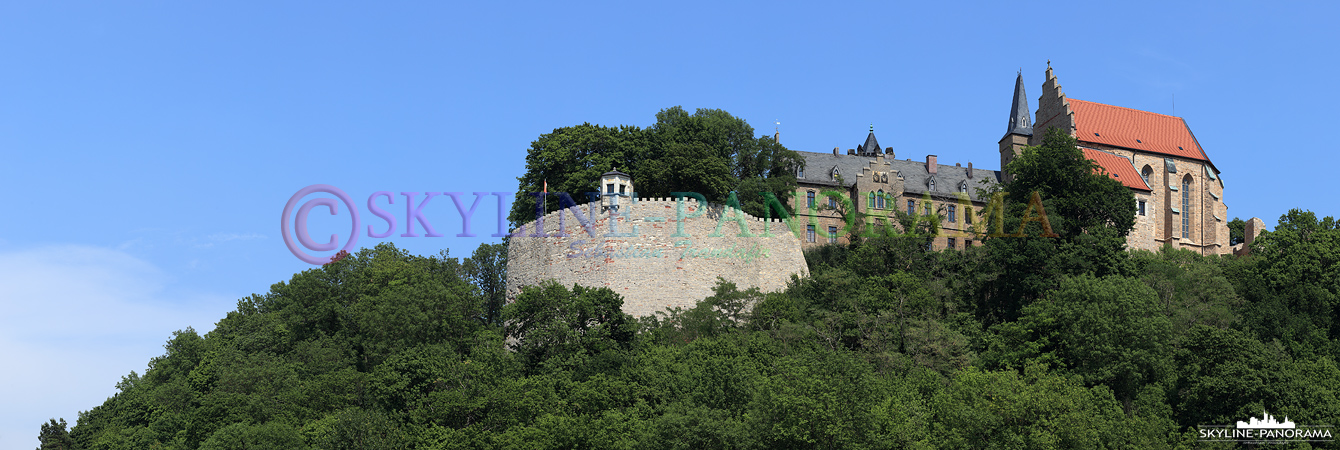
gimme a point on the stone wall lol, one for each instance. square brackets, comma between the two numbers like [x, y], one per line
[656, 253]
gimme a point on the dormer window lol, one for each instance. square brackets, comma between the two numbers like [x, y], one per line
[932, 184]
[963, 187]
[833, 176]
[800, 172]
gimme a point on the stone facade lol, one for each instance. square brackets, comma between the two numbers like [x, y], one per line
[1184, 205]
[871, 187]
[656, 253]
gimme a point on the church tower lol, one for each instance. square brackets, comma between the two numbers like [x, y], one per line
[1020, 128]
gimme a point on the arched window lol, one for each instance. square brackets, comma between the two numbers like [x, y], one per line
[870, 200]
[1186, 207]
[932, 185]
[879, 199]
[1146, 173]
[963, 187]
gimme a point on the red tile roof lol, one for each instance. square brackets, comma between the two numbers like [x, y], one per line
[1134, 129]
[1118, 168]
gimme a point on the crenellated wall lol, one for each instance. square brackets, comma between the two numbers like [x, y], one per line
[657, 253]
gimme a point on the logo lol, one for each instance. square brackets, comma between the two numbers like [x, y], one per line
[1266, 429]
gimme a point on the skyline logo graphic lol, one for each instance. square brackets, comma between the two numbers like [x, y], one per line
[1266, 429]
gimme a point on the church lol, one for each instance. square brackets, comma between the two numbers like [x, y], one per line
[1178, 191]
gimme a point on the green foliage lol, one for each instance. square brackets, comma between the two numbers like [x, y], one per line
[884, 345]
[1237, 231]
[54, 436]
[709, 152]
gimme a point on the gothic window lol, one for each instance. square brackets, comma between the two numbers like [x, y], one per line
[963, 187]
[1146, 173]
[932, 184]
[1186, 207]
[870, 200]
[879, 199]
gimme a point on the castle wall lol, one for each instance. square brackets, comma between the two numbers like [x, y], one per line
[657, 253]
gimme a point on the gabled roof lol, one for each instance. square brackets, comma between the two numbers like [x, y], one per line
[1134, 129]
[1118, 168]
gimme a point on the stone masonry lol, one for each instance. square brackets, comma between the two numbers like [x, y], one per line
[657, 253]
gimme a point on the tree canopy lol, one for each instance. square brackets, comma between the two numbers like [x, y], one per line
[709, 152]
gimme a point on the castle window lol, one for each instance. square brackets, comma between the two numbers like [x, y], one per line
[951, 242]
[832, 202]
[952, 216]
[928, 207]
[622, 188]
[1142, 207]
[911, 207]
[963, 187]
[967, 243]
[609, 189]
[832, 235]
[809, 233]
[870, 200]
[1186, 207]
[967, 216]
[1146, 173]
[809, 199]
[879, 199]
[932, 184]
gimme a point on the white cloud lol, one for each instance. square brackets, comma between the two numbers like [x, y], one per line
[75, 320]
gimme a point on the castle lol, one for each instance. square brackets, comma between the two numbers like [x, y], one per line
[668, 252]
[657, 253]
[1178, 190]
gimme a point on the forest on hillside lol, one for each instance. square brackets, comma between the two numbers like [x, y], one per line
[885, 345]
[1055, 336]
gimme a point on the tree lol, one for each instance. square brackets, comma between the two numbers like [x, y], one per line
[1237, 230]
[1109, 331]
[551, 321]
[709, 152]
[487, 270]
[1089, 214]
[571, 160]
[54, 436]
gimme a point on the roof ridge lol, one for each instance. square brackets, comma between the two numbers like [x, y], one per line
[1123, 107]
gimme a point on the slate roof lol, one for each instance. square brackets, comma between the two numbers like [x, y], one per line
[1135, 129]
[870, 147]
[916, 180]
[1020, 117]
[1118, 168]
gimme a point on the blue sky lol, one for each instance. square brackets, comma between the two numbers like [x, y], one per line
[147, 149]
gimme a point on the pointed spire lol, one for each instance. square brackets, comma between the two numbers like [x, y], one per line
[1020, 118]
[871, 146]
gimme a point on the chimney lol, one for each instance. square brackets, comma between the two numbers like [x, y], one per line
[931, 165]
[835, 151]
[969, 169]
[889, 151]
[851, 151]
